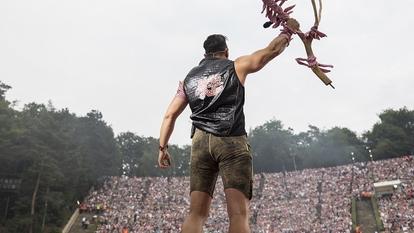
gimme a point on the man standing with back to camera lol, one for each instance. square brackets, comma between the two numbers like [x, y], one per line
[215, 92]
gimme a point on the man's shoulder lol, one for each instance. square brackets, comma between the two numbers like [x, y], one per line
[207, 64]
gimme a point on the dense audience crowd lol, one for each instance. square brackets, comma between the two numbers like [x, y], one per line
[397, 211]
[310, 200]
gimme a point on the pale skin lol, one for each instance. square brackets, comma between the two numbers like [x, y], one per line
[237, 203]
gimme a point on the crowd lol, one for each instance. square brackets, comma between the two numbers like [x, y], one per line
[310, 200]
[397, 211]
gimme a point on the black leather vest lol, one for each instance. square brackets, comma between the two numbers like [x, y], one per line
[216, 98]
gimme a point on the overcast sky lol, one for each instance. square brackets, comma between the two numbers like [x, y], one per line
[125, 58]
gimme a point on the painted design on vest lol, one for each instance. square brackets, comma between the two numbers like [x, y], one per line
[209, 86]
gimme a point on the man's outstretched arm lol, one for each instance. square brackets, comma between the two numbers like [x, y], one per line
[175, 108]
[256, 61]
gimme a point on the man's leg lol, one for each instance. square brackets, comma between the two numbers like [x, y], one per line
[203, 176]
[236, 170]
[238, 211]
[199, 208]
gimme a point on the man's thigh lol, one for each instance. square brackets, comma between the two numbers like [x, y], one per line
[235, 163]
[203, 167]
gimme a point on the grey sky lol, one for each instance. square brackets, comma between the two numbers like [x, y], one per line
[125, 58]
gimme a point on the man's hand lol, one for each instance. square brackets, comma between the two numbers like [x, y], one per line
[292, 24]
[164, 159]
[256, 61]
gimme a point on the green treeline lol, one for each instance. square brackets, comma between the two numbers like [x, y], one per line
[59, 156]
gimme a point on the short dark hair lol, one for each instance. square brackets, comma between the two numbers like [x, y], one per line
[215, 43]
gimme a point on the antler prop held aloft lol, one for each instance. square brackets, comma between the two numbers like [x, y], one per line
[278, 16]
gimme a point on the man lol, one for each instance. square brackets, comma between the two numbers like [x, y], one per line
[215, 92]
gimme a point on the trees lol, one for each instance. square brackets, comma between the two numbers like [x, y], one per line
[131, 147]
[139, 156]
[332, 147]
[394, 135]
[58, 156]
[277, 149]
[272, 146]
[3, 89]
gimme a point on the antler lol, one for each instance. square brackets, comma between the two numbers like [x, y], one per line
[278, 17]
[307, 39]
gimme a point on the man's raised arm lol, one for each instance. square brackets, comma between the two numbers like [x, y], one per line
[254, 62]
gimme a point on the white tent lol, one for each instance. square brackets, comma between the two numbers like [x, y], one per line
[386, 187]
